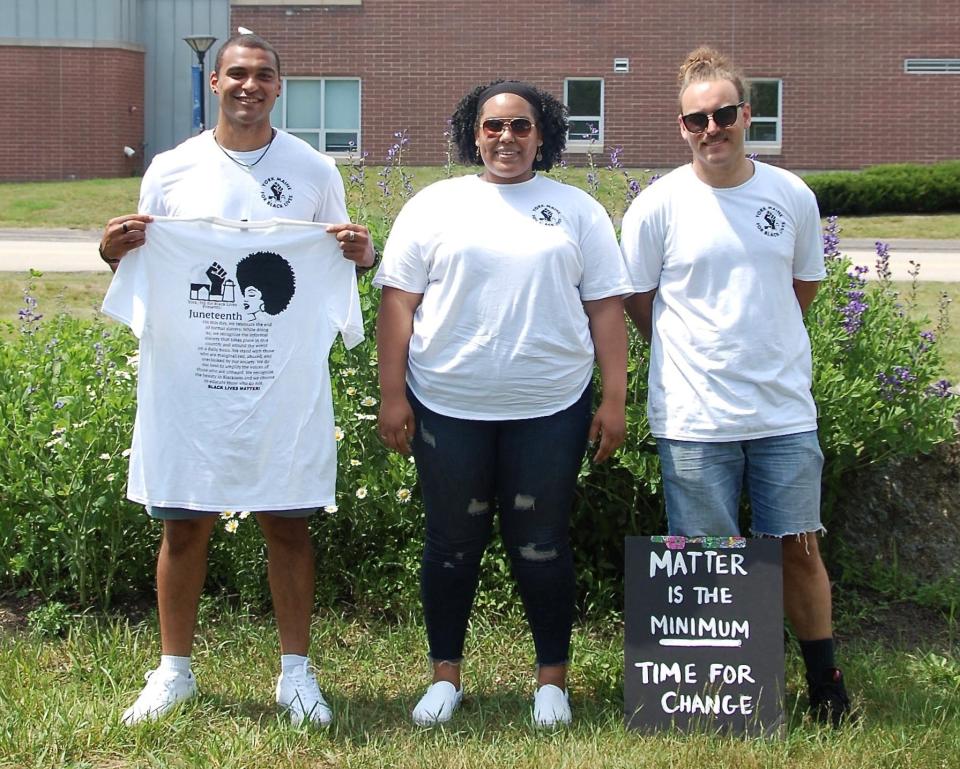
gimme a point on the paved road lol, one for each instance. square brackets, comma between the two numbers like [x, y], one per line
[76, 251]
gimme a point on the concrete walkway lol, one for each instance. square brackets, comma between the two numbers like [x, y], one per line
[76, 251]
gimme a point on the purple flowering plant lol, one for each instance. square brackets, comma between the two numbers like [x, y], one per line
[877, 368]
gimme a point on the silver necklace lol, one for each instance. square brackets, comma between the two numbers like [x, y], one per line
[248, 166]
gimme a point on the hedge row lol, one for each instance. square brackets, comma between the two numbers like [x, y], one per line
[902, 188]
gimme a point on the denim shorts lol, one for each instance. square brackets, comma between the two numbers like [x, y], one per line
[702, 484]
[183, 514]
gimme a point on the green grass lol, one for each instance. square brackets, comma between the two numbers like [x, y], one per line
[922, 300]
[76, 293]
[893, 226]
[67, 695]
[81, 293]
[88, 204]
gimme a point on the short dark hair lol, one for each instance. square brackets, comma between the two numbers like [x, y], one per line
[551, 120]
[247, 40]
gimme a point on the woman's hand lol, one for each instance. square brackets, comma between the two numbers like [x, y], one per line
[610, 426]
[394, 329]
[396, 424]
[608, 329]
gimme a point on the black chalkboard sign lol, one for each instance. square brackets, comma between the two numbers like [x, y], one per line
[703, 645]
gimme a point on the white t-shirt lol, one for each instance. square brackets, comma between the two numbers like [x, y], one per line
[291, 181]
[235, 320]
[504, 270]
[730, 357]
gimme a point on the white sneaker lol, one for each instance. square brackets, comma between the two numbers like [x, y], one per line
[551, 706]
[299, 695]
[436, 706]
[164, 689]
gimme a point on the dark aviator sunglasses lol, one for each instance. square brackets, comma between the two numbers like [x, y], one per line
[520, 127]
[697, 122]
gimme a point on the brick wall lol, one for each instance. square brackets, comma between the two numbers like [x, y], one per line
[846, 101]
[73, 111]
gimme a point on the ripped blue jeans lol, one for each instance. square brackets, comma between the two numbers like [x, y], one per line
[525, 469]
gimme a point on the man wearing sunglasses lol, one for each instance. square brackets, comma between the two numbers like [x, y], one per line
[725, 255]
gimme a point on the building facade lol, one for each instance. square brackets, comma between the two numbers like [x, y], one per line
[101, 85]
[833, 85]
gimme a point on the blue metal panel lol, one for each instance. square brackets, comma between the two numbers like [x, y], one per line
[168, 92]
[90, 21]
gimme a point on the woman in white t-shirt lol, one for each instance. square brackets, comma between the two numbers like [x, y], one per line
[499, 291]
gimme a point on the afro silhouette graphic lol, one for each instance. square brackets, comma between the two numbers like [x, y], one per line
[267, 283]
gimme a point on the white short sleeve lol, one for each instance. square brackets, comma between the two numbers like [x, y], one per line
[808, 261]
[403, 264]
[604, 273]
[642, 242]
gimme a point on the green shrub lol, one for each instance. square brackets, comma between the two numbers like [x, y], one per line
[889, 189]
[66, 387]
[877, 372]
[67, 403]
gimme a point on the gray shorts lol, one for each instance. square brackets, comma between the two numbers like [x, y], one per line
[183, 514]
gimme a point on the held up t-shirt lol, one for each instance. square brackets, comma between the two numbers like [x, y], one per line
[235, 321]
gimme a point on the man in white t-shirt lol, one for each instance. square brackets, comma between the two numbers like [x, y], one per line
[244, 169]
[725, 255]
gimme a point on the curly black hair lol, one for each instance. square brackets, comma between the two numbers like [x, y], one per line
[272, 275]
[551, 120]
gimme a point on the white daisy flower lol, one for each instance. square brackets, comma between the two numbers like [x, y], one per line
[362, 492]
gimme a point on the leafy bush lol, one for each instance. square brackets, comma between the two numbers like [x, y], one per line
[889, 189]
[67, 404]
[66, 389]
[877, 372]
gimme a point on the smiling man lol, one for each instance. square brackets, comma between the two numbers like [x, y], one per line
[243, 169]
[725, 255]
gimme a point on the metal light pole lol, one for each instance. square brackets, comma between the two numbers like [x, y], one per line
[200, 44]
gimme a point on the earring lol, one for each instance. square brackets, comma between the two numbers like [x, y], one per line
[478, 153]
[539, 154]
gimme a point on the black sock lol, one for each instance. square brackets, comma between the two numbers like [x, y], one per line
[818, 657]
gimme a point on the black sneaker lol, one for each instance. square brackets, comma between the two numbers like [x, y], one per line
[829, 703]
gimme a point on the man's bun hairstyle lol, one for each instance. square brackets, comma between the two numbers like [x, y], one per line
[705, 64]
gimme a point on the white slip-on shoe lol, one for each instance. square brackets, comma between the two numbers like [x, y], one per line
[551, 706]
[436, 706]
[164, 689]
[299, 695]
